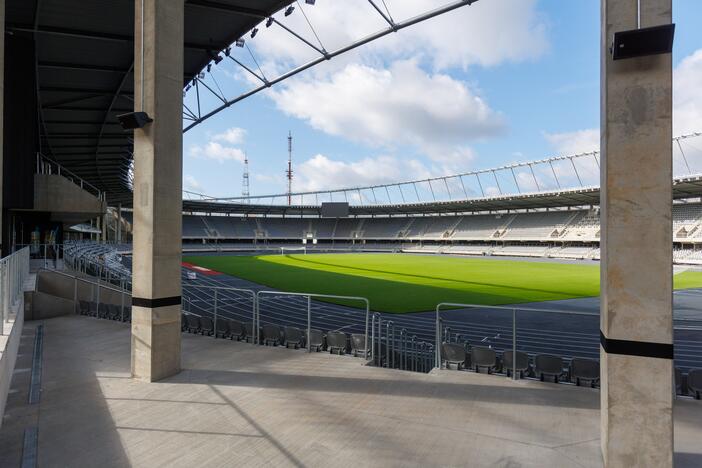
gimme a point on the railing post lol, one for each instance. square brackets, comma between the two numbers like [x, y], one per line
[75, 294]
[121, 297]
[215, 313]
[373, 353]
[514, 344]
[437, 337]
[309, 322]
[365, 346]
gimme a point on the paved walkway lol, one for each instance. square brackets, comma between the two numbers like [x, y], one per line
[245, 405]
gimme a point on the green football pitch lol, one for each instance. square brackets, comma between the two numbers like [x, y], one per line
[409, 283]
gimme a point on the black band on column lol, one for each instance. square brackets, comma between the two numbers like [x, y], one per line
[154, 303]
[636, 348]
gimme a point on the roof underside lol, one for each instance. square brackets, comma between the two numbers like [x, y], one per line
[684, 188]
[85, 56]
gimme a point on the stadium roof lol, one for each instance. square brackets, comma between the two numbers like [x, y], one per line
[85, 57]
[683, 188]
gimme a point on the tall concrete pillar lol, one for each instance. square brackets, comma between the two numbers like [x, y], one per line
[636, 239]
[2, 112]
[157, 190]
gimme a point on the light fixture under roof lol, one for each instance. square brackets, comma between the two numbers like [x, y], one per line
[289, 10]
[132, 120]
[310, 2]
[254, 31]
[240, 42]
[269, 21]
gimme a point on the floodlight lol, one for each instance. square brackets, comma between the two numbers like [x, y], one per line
[132, 120]
[269, 21]
[310, 2]
[209, 67]
[254, 31]
[227, 51]
[643, 42]
[289, 10]
[187, 88]
[218, 58]
[201, 75]
[240, 42]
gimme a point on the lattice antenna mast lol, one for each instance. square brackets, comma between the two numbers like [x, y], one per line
[289, 172]
[245, 187]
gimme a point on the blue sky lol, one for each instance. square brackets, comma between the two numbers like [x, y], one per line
[498, 82]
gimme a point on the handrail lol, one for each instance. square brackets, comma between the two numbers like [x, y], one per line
[226, 288]
[514, 309]
[309, 297]
[43, 161]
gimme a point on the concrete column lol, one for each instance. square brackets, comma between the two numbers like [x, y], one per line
[636, 268]
[157, 190]
[2, 113]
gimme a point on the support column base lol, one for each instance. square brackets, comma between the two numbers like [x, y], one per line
[156, 338]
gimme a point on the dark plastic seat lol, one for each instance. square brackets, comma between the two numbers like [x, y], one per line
[127, 314]
[293, 336]
[271, 334]
[547, 365]
[453, 353]
[92, 309]
[522, 364]
[113, 312]
[249, 329]
[103, 311]
[585, 370]
[694, 383]
[316, 340]
[84, 307]
[236, 330]
[482, 357]
[358, 345]
[206, 326]
[336, 342]
[193, 323]
[222, 328]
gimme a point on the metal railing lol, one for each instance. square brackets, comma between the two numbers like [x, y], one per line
[14, 270]
[309, 297]
[443, 334]
[187, 300]
[46, 165]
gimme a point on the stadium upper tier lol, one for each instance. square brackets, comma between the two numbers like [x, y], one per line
[564, 226]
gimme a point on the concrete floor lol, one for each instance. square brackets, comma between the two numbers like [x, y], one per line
[245, 405]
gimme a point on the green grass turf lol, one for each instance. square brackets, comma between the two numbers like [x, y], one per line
[409, 283]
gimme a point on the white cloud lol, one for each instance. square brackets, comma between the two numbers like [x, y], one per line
[233, 135]
[322, 173]
[687, 95]
[486, 33]
[191, 183]
[579, 141]
[217, 152]
[390, 107]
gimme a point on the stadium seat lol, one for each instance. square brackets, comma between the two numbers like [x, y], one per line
[522, 364]
[103, 311]
[453, 353]
[694, 383]
[336, 342]
[193, 323]
[358, 345]
[114, 312]
[585, 369]
[127, 314]
[271, 334]
[293, 336]
[222, 328]
[183, 322]
[482, 357]
[236, 330]
[316, 339]
[92, 309]
[677, 381]
[547, 365]
[84, 307]
[206, 326]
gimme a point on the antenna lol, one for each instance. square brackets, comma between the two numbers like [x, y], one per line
[289, 172]
[245, 192]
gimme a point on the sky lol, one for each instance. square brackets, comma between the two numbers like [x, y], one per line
[494, 83]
